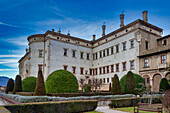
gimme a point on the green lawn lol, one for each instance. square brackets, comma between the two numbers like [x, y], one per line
[129, 109]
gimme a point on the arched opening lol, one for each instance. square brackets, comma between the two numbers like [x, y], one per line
[167, 76]
[156, 81]
[146, 79]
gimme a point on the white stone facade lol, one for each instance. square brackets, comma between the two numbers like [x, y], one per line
[54, 45]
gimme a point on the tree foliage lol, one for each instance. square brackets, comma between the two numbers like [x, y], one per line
[10, 85]
[61, 81]
[40, 87]
[116, 89]
[130, 83]
[18, 84]
[138, 80]
[163, 85]
[29, 84]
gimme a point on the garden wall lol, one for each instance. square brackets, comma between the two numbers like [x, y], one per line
[53, 107]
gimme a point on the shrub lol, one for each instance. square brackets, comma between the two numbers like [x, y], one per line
[28, 84]
[130, 83]
[86, 88]
[163, 85]
[166, 101]
[61, 81]
[18, 84]
[138, 80]
[40, 87]
[10, 85]
[116, 89]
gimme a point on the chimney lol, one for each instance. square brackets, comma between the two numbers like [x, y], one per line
[145, 16]
[103, 28]
[59, 31]
[94, 36]
[52, 30]
[68, 33]
[122, 20]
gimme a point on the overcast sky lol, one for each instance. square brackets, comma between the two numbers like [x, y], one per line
[21, 18]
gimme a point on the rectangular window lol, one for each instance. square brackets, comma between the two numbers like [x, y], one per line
[107, 80]
[96, 71]
[91, 72]
[124, 66]
[117, 67]
[107, 69]
[148, 81]
[132, 65]
[107, 52]
[112, 50]
[100, 54]
[81, 55]
[100, 70]
[132, 44]
[124, 46]
[88, 56]
[65, 67]
[103, 53]
[82, 70]
[163, 59]
[112, 68]
[104, 80]
[164, 42]
[65, 52]
[146, 44]
[41, 53]
[93, 57]
[146, 62]
[74, 70]
[103, 70]
[96, 55]
[74, 53]
[40, 67]
[117, 48]
[89, 81]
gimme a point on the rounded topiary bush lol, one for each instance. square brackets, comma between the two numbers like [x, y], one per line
[28, 84]
[138, 80]
[61, 81]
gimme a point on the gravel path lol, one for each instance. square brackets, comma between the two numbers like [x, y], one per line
[106, 109]
[1, 102]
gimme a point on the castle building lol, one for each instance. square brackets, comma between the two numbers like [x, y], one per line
[138, 47]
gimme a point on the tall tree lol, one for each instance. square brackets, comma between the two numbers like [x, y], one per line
[10, 85]
[130, 83]
[18, 84]
[163, 85]
[116, 89]
[40, 87]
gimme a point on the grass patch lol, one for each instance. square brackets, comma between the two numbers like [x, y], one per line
[93, 112]
[130, 109]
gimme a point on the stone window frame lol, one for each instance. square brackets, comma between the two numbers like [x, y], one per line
[112, 50]
[88, 56]
[74, 54]
[164, 59]
[65, 52]
[112, 68]
[146, 45]
[124, 49]
[124, 68]
[132, 45]
[117, 67]
[40, 50]
[117, 48]
[81, 55]
[146, 62]
[132, 65]
[81, 70]
[74, 69]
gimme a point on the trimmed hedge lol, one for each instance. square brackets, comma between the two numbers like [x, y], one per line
[40, 87]
[54, 107]
[164, 85]
[18, 84]
[116, 89]
[29, 84]
[61, 81]
[10, 85]
[138, 79]
[129, 102]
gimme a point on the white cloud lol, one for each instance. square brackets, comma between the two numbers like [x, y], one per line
[21, 40]
[8, 69]
[8, 56]
[5, 24]
[4, 61]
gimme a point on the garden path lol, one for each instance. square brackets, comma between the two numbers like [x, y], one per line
[106, 109]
